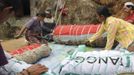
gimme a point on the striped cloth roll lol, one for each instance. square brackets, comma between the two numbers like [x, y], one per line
[76, 29]
[32, 56]
[74, 33]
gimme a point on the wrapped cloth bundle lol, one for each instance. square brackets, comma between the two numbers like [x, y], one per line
[25, 48]
[74, 34]
[98, 63]
[14, 66]
[32, 56]
[77, 34]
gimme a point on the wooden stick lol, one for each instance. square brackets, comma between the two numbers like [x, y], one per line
[60, 14]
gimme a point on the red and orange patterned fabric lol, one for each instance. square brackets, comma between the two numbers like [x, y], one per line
[25, 48]
[76, 29]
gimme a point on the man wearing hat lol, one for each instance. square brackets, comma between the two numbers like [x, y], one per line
[129, 8]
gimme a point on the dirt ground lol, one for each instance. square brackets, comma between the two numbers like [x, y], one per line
[13, 44]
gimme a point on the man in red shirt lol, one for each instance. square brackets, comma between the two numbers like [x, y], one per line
[129, 8]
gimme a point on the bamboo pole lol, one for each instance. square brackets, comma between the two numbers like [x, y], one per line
[59, 17]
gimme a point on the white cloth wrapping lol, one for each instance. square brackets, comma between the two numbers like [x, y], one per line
[13, 67]
[16, 66]
[98, 63]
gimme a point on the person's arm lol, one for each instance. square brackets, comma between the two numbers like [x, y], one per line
[25, 27]
[36, 69]
[21, 31]
[112, 29]
[97, 35]
[89, 41]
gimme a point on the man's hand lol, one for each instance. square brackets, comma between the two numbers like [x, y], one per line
[37, 69]
[18, 36]
[88, 43]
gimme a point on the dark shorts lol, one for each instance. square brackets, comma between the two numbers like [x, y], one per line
[34, 37]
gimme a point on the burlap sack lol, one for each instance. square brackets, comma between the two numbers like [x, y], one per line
[33, 56]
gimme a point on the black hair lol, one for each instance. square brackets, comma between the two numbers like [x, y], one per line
[1, 6]
[103, 11]
[130, 6]
[42, 14]
[6, 3]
